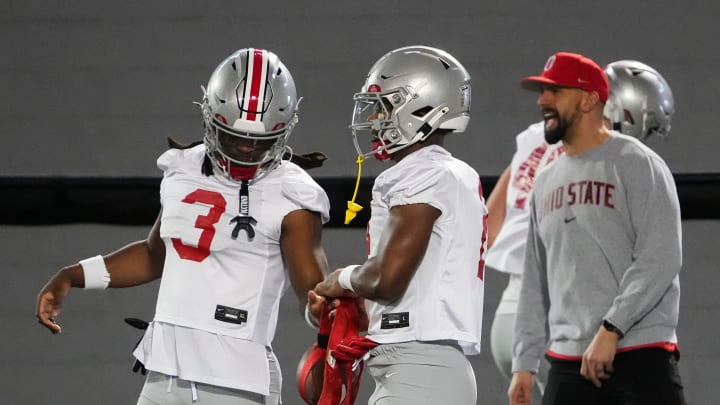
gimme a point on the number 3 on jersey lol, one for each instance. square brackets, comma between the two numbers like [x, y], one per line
[206, 223]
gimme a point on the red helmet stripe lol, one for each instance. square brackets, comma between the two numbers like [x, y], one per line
[256, 75]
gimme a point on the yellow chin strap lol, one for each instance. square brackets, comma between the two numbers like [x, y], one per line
[352, 207]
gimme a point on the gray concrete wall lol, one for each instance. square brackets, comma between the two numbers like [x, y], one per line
[93, 88]
[110, 80]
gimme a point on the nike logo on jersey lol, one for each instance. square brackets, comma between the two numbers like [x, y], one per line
[395, 321]
[230, 315]
[568, 220]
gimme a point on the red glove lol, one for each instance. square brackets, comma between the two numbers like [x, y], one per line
[343, 355]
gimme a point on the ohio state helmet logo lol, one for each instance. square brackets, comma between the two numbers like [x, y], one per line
[374, 88]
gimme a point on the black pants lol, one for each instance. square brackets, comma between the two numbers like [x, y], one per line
[641, 377]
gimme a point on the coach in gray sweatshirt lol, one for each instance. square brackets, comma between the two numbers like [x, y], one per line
[600, 293]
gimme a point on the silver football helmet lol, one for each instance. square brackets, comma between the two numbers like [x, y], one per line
[410, 93]
[249, 109]
[641, 102]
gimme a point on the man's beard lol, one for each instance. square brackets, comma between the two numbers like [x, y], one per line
[555, 126]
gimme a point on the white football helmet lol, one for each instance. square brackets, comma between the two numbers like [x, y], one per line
[409, 93]
[641, 102]
[250, 100]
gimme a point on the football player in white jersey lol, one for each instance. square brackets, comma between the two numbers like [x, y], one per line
[423, 279]
[237, 222]
[640, 104]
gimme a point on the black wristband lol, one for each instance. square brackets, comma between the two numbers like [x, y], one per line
[322, 341]
[612, 328]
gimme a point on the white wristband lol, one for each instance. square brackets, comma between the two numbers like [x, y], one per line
[310, 319]
[95, 272]
[344, 277]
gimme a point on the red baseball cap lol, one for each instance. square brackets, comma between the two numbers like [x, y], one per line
[567, 69]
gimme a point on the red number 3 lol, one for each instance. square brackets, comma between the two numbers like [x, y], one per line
[204, 222]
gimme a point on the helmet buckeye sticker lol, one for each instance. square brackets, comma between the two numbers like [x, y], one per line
[220, 118]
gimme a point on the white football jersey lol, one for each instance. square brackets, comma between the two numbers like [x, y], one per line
[222, 287]
[533, 154]
[445, 296]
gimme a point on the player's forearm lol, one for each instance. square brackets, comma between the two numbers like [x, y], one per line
[496, 206]
[134, 264]
[74, 274]
[380, 286]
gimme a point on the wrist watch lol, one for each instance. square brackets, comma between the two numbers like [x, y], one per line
[612, 328]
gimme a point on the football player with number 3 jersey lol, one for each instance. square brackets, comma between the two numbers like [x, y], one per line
[238, 225]
[423, 279]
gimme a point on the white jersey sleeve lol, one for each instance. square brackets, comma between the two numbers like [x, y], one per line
[302, 190]
[168, 161]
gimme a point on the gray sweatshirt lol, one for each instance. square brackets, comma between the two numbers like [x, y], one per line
[604, 242]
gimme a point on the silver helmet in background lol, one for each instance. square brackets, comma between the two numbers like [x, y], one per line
[250, 100]
[641, 102]
[410, 93]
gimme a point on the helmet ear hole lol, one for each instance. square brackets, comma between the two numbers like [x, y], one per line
[421, 112]
[629, 117]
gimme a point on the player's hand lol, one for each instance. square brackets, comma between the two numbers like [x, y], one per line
[50, 299]
[520, 391]
[597, 361]
[315, 304]
[331, 288]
